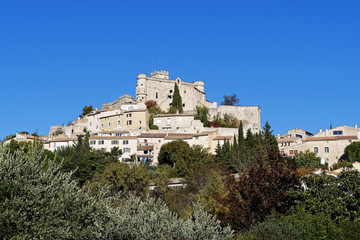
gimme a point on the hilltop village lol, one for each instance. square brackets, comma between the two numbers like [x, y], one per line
[181, 167]
[126, 123]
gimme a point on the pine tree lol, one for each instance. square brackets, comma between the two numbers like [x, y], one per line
[176, 105]
[270, 142]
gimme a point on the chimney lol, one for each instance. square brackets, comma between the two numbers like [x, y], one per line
[356, 126]
[320, 130]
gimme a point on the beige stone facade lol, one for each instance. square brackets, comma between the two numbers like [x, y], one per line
[156, 140]
[328, 145]
[128, 145]
[160, 88]
[126, 120]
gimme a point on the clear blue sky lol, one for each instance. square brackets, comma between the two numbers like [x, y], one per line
[298, 60]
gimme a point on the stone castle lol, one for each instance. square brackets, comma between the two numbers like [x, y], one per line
[160, 88]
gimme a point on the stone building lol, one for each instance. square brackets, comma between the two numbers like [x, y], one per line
[124, 99]
[329, 145]
[160, 88]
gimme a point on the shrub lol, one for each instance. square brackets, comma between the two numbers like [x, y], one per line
[154, 127]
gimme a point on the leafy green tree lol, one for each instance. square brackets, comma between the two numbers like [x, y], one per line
[119, 177]
[176, 105]
[38, 202]
[297, 225]
[352, 152]
[151, 219]
[202, 114]
[308, 159]
[83, 160]
[173, 153]
[336, 196]
[230, 100]
[86, 110]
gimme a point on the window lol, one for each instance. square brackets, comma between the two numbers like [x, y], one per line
[169, 96]
[103, 149]
[170, 91]
[295, 151]
[184, 91]
[298, 136]
[118, 123]
[126, 150]
[337, 132]
[183, 104]
[101, 142]
[316, 149]
[113, 142]
[326, 149]
[128, 122]
[291, 151]
[128, 115]
[146, 151]
[145, 140]
[109, 124]
[125, 142]
[157, 95]
[92, 142]
[102, 126]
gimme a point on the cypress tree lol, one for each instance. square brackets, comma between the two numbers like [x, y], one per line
[176, 104]
[241, 140]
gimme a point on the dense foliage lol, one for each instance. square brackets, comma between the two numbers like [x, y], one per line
[45, 203]
[85, 161]
[261, 189]
[308, 159]
[247, 186]
[352, 152]
[338, 197]
[202, 114]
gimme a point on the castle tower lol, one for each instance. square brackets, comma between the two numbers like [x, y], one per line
[141, 93]
[200, 85]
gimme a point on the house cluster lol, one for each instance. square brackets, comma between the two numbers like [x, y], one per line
[124, 123]
[329, 145]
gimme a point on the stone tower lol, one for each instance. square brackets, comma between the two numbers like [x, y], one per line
[141, 91]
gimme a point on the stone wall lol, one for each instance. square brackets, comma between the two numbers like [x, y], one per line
[249, 115]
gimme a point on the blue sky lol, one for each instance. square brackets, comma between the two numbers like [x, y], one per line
[297, 60]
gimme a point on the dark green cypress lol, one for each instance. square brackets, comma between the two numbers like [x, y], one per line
[176, 104]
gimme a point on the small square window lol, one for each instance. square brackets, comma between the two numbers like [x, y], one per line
[326, 149]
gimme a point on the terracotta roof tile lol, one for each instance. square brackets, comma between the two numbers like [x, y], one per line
[223, 138]
[330, 138]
